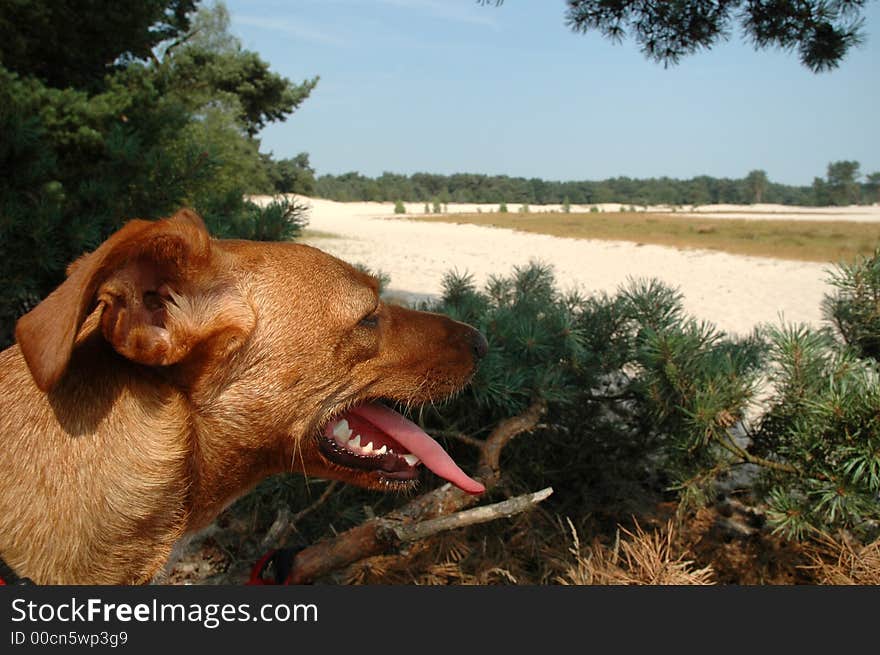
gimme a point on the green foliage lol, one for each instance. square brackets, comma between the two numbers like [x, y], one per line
[97, 128]
[821, 32]
[279, 220]
[436, 207]
[566, 205]
[757, 182]
[399, 207]
[77, 43]
[524, 209]
[644, 398]
[292, 175]
[629, 381]
[822, 436]
[534, 342]
[855, 308]
[469, 187]
[381, 276]
[842, 182]
[502, 208]
[211, 67]
[871, 188]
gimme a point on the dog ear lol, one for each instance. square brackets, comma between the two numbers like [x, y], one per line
[142, 279]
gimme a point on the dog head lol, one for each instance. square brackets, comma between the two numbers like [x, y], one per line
[284, 353]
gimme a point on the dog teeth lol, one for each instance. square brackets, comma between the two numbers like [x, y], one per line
[368, 449]
[354, 442]
[381, 451]
[342, 432]
[411, 459]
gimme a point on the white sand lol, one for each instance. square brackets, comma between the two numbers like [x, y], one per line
[734, 292]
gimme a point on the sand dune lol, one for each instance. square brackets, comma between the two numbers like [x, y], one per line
[736, 293]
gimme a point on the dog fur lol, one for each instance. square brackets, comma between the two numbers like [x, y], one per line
[171, 372]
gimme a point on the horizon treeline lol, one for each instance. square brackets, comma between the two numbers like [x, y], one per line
[842, 185]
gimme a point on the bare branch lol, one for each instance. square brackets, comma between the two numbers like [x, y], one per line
[285, 520]
[405, 532]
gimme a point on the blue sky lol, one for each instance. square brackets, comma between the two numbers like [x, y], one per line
[449, 86]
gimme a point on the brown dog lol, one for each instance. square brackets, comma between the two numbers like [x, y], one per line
[171, 372]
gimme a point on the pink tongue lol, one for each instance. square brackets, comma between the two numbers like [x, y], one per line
[414, 439]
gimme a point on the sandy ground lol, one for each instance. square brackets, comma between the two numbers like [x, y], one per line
[736, 293]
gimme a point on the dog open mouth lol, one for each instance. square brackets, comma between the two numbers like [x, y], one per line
[372, 437]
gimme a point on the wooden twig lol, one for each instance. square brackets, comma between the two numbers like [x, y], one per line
[747, 457]
[285, 520]
[460, 436]
[490, 458]
[406, 532]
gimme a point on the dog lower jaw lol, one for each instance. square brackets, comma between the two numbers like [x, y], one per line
[389, 465]
[387, 445]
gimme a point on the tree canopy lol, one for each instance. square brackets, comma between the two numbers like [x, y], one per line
[842, 186]
[109, 113]
[75, 43]
[821, 31]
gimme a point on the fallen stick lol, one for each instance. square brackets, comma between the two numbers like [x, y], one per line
[406, 532]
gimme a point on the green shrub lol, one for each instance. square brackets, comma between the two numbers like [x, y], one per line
[855, 307]
[643, 398]
[399, 207]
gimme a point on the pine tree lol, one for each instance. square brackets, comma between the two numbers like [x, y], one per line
[116, 131]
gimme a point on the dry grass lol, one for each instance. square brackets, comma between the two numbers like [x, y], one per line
[842, 563]
[536, 548]
[640, 558]
[309, 233]
[437, 561]
[818, 241]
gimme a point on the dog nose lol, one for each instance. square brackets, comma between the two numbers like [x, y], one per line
[479, 345]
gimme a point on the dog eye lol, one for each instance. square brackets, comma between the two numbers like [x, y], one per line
[370, 320]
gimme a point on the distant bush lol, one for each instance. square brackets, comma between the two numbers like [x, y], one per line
[280, 220]
[427, 209]
[399, 207]
[566, 206]
[502, 208]
[524, 209]
[381, 276]
[437, 208]
[594, 209]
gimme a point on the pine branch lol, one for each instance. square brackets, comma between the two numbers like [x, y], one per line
[747, 457]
